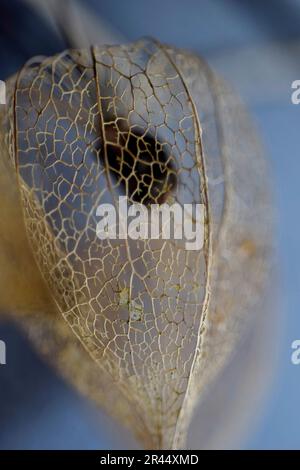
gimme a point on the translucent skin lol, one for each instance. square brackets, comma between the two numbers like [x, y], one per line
[158, 321]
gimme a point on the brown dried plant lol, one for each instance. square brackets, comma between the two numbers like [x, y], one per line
[141, 327]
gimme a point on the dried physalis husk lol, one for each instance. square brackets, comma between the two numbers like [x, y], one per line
[141, 326]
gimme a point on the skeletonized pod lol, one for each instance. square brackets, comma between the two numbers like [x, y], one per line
[158, 321]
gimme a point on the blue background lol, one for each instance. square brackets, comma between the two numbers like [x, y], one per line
[256, 46]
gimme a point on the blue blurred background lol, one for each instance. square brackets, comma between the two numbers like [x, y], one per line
[256, 46]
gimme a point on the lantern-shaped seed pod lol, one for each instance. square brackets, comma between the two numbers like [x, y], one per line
[143, 325]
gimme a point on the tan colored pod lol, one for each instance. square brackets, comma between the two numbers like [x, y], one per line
[141, 326]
